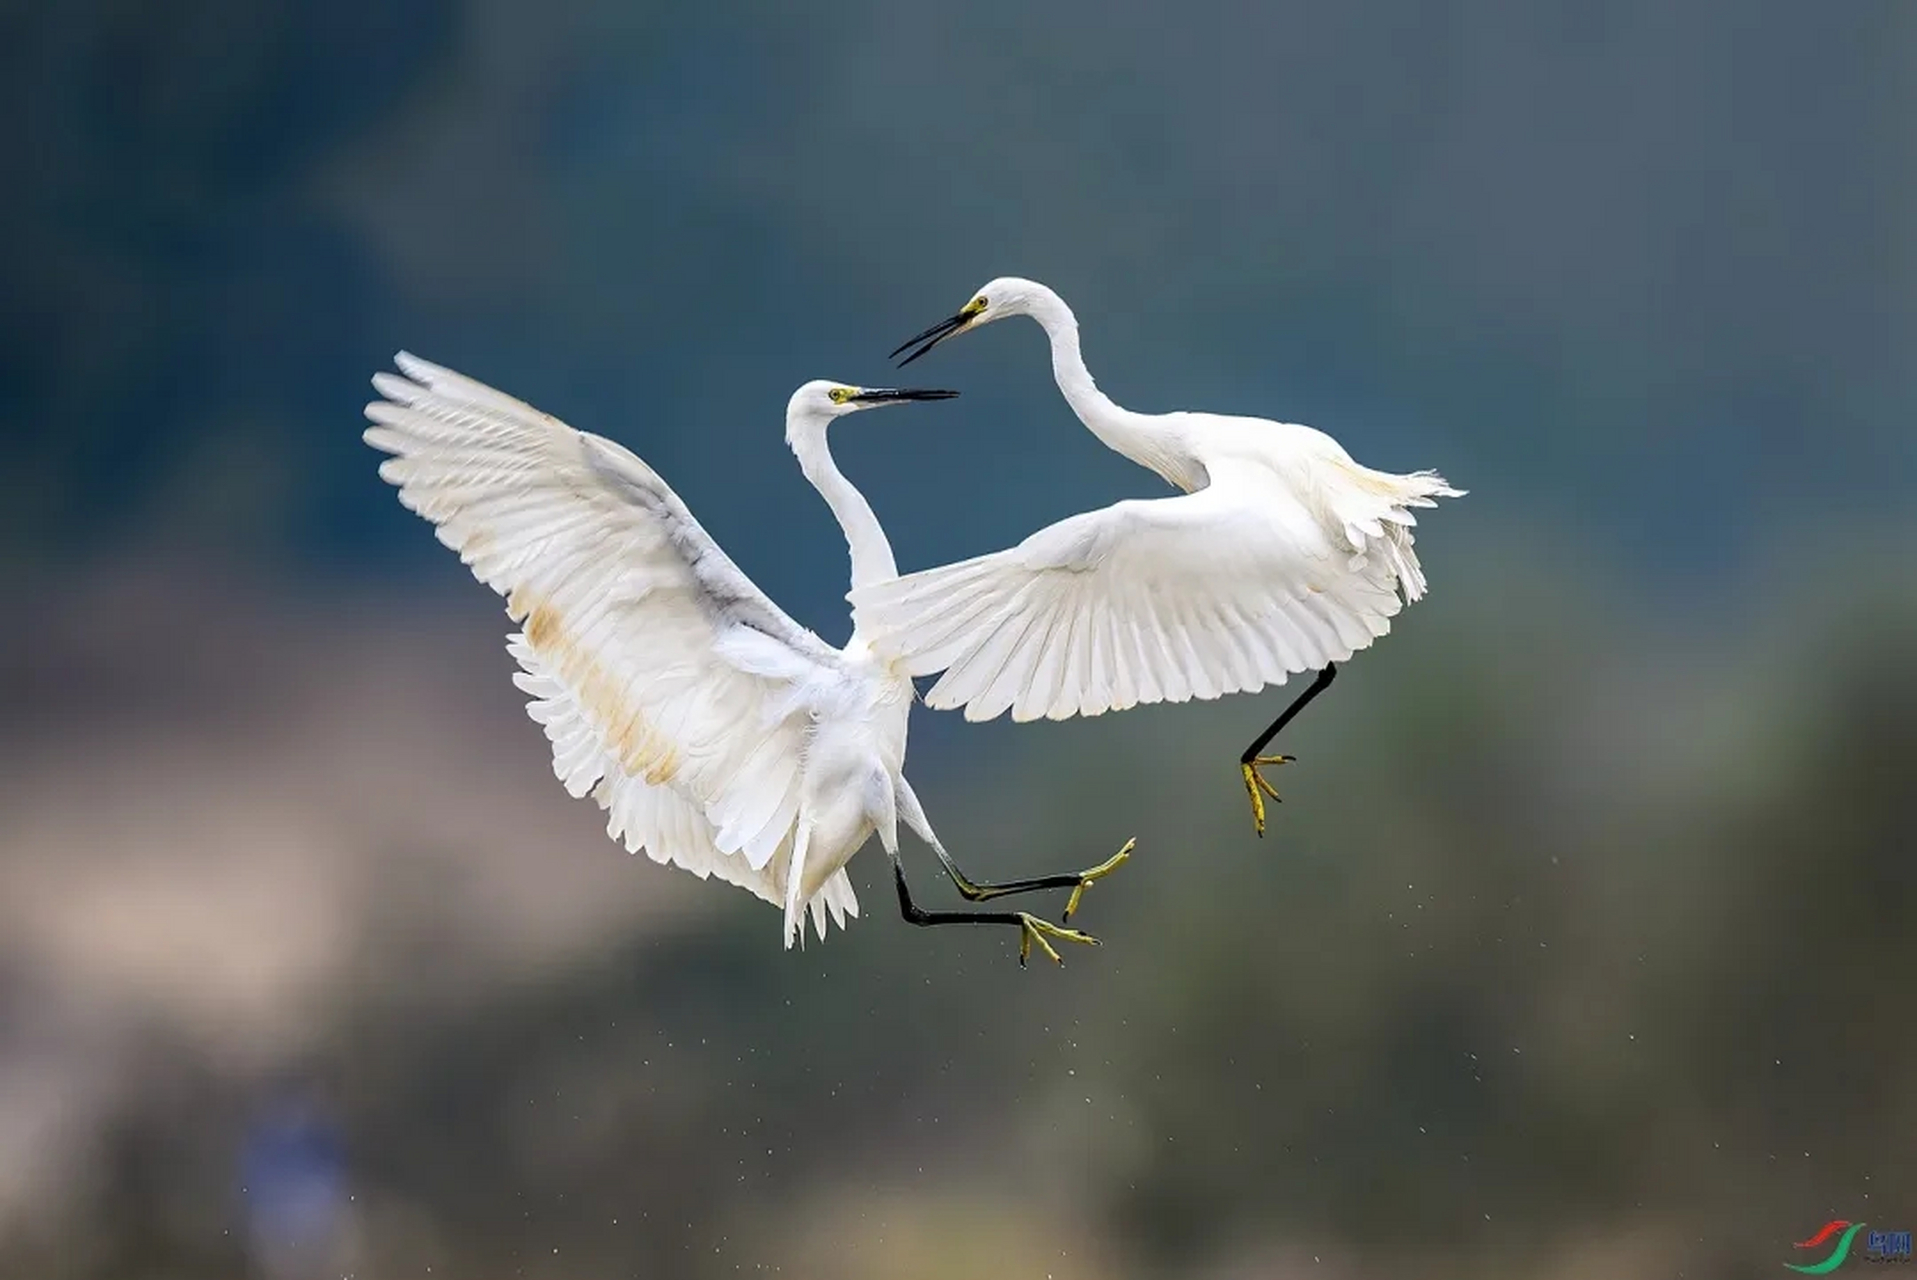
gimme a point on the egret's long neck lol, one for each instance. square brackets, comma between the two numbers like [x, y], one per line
[1144, 438]
[871, 554]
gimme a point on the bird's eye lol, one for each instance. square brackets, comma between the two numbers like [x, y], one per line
[840, 394]
[979, 303]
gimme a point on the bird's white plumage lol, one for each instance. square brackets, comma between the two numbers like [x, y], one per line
[670, 827]
[672, 690]
[1284, 555]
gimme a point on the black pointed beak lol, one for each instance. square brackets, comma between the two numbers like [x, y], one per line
[932, 337]
[899, 395]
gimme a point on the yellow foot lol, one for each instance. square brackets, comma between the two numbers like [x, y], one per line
[1041, 931]
[1257, 788]
[1098, 872]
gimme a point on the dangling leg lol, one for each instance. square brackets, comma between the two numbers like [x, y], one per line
[1031, 928]
[1254, 781]
[973, 891]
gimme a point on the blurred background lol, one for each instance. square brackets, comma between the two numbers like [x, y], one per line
[1581, 947]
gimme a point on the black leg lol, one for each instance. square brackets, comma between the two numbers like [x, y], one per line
[1078, 881]
[985, 891]
[976, 891]
[1248, 763]
[1298, 704]
[1030, 926]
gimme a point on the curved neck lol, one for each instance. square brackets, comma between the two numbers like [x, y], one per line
[1147, 439]
[871, 554]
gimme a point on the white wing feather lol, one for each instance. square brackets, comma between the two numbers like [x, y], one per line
[1154, 600]
[670, 827]
[658, 642]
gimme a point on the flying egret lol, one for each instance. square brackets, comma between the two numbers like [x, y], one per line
[1283, 555]
[717, 733]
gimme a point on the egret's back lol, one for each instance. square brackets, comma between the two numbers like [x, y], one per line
[1364, 512]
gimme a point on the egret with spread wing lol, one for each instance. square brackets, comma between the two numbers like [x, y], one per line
[717, 733]
[1282, 555]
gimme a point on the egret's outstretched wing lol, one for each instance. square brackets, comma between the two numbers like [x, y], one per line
[668, 825]
[688, 675]
[1157, 600]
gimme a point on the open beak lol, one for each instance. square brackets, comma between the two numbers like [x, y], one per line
[931, 338]
[899, 395]
[938, 333]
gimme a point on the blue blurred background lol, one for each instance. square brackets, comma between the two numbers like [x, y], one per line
[1580, 947]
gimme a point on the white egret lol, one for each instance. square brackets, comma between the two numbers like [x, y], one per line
[1282, 555]
[717, 733]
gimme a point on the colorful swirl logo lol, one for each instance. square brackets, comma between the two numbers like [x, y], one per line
[1837, 1255]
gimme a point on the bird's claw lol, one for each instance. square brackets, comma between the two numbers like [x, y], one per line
[1103, 869]
[1032, 929]
[1258, 788]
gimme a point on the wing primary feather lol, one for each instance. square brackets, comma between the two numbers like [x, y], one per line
[623, 604]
